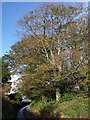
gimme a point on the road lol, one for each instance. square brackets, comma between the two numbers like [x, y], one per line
[20, 115]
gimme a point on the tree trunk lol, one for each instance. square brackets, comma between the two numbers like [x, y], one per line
[58, 96]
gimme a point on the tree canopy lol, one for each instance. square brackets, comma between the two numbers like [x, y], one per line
[53, 48]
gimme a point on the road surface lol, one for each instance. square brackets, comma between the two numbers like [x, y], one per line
[20, 115]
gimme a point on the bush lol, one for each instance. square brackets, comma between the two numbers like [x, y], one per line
[37, 105]
[67, 97]
[45, 110]
[48, 112]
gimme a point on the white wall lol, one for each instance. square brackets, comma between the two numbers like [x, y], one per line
[14, 80]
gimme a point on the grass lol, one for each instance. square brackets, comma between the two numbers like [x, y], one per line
[37, 106]
[75, 108]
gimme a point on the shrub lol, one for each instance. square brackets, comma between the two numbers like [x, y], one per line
[67, 97]
[48, 112]
[37, 105]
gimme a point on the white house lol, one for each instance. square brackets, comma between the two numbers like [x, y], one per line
[14, 82]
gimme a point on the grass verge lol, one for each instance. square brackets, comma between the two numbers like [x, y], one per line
[75, 108]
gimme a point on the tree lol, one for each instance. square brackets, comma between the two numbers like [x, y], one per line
[49, 51]
[5, 71]
[5, 74]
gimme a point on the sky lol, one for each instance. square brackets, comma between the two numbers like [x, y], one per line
[0, 29]
[11, 13]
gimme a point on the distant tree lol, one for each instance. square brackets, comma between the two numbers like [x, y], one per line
[5, 75]
[5, 71]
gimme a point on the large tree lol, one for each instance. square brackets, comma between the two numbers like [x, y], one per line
[52, 48]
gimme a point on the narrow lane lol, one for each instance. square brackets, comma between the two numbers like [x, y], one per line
[20, 115]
